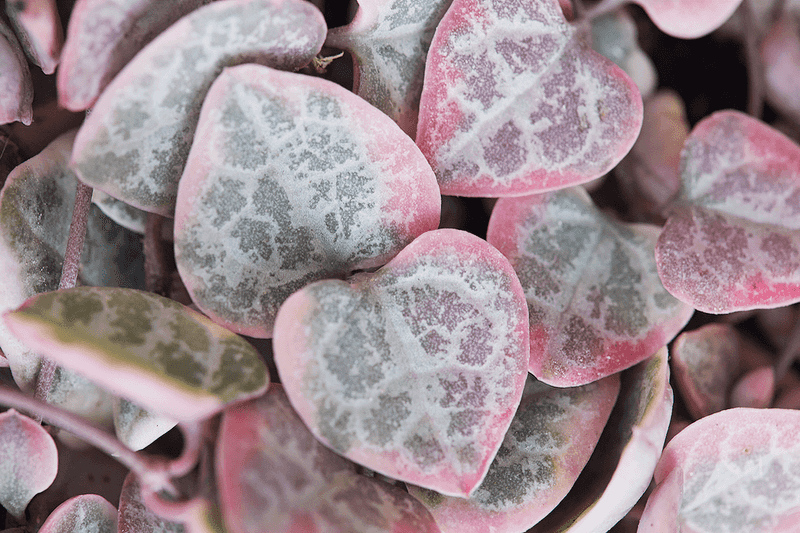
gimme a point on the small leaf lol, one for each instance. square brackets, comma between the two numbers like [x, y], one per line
[688, 19]
[103, 37]
[732, 242]
[135, 142]
[516, 102]
[149, 349]
[28, 461]
[88, 513]
[134, 517]
[550, 440]
[706, 361]
[754, 389]
[292, 179]
[123, 214]
[136, 427]
[595, 301]
[414, 371]
[39, 29]
[736, 470]
[16, 96]
[389, 41]
[273, 473]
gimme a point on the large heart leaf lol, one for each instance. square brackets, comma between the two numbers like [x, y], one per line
[273, 474]
[732, 242]
[103, 35]
[689, 19]
[39, 28]
[135, 142]
[515, 102]
[550, 440]
[292, 179]
[736, 470]
[85, 513]
[622, 466]
[389, 40]
[141, 346]
[595, 301]
[16, 96]
[28, 461]
[414, 371]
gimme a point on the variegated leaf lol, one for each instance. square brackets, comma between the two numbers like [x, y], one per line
[88, 513]
[135, 142]
[16, 87]
[143, 347]
[135, 517]
[136, 427]
[516, 102]
[414, 371]
[39, 29]
[595, 301]
[292, 179]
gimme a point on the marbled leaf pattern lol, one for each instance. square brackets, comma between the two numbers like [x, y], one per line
[88, 513]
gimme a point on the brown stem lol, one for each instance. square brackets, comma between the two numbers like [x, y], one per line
[755, 67]
[156, 270]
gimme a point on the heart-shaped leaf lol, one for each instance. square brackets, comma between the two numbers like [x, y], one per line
[688, 19]
[136, 427]
[706, 361]
[88, 513]
[595, 301]
[414, 371]
[135, 142]
[732, 242]
[141, 346]
[736, 470]
[39, 29]
[134, 517]
[389, 40]
[28, 461]
[550, 440]
[103, 36]
[274, 474]
[292, 179]
[515, 102]
[622, 465]
[16, 96]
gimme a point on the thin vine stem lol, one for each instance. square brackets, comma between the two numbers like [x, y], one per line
[755, 67]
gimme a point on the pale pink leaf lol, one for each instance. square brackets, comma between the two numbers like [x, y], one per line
[754, 389]
[38, 27]
[135, 142]
[736, 470]
[16, 86]
[705, 362]
[732, 242]
[102, 36]
[780, 53]
[689, 19]
[272, 471]
[389, 40]
[414, 371]
[292, 179]
[622, 466]
[88, 513]
[135, 517]
[516, 102]
[596, 304]
[136, 427]
[547, 445]
[28, 461]
[144, 347]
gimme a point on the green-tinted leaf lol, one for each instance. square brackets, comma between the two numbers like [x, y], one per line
[136, 427]
[88, 513]
[144, 347]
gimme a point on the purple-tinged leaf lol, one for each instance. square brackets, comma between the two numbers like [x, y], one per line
[689, 19]
[88, 513]
[736, 470]
[622, 466]
[141, 346]
[780, 52]
[292, 179]
[595, 301]
[273, 474]
[732, 242]
[754, 389]
[103, 36]
[39, 29]
[389, 40]
[135, 142]
[136, 427]
[28, 461]
[134, 517]
[414, 371]
[516, 102]
[614, 35]
[705, 362]
[36, 206]
[16, 87]
[547, 445]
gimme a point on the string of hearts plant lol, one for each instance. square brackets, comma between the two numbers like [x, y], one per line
[234, 244]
